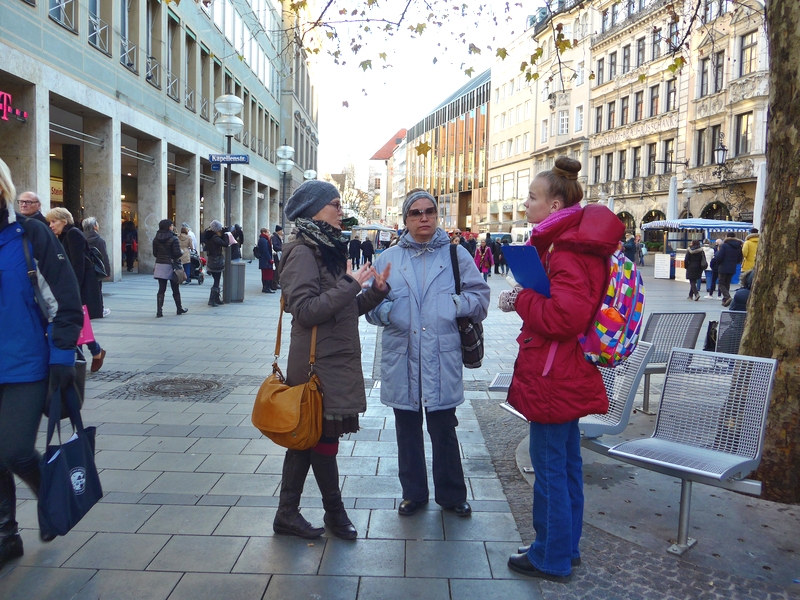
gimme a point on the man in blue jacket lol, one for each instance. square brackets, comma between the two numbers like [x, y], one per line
[36, 354]
[729, 256]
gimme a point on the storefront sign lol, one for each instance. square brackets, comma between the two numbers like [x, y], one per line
[7, 110]
[56, 190]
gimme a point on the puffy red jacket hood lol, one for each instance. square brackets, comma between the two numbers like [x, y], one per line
[578, 270]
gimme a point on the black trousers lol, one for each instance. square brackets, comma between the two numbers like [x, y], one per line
[448, 474]
[129, 257]
[20, 412]
[216, 275]
[725, 284]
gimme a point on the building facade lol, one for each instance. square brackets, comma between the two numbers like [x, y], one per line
[447, 154]
[535, 120]
[117, 110]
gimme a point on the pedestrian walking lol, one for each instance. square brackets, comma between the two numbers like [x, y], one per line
[191, 235]
[238, 235]
[709, 254]
[265, 262]
[368, 250]
[749, 250]
[130, 243]
[711, 285]
[629, 248]
[185, 241]
[728, 258]
[91, 229]
[31, 206]
[38, 354]
[277, 251]
[694, 263]
[354, 251]
[502, 258]
[484, 259]
[421, 360]
[76, 248]
[167, 250]
[640, 249]
[553, 384]
[215, 241]
[322, 291]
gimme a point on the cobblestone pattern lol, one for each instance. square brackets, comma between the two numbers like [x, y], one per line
[612, 567]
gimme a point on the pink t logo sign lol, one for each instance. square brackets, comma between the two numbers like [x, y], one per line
[5, 105]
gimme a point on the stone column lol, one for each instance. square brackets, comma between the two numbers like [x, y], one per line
[102, 187]
[152, 192]
[262, 209]
[213, 198]
[274, 207]
[25, 147]
[187, 192]
[249, 222]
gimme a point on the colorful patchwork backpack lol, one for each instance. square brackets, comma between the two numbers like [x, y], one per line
[615, 331]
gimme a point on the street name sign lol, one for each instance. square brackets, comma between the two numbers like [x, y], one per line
[243, 159]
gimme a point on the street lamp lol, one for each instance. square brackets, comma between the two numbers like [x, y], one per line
[285, 164]
[229, 125]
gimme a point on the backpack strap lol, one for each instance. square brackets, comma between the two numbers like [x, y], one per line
[456, 270]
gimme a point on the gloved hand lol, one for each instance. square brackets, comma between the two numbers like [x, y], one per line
[508, 299]
[61, 377]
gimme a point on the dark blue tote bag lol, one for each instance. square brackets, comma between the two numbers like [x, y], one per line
[70, 483]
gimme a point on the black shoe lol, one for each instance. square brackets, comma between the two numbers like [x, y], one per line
[10, 547]
[576, 562]
[727, 302]
[462, 509]
[340, 525]
[295, 525]
[410, 507]
[519, 563]
[183, 311]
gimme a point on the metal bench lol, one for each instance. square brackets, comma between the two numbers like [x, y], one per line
[621, 385]
[730, 331]
[667, 331]
[710, 426]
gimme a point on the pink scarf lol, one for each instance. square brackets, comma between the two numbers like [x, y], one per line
[554, 218]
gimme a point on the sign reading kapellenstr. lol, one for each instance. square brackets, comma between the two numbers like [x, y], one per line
[243, 159]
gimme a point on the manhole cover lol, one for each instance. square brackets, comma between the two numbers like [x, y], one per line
[179, 387]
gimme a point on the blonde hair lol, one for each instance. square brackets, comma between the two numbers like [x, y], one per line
[59, 213]
[7, 188]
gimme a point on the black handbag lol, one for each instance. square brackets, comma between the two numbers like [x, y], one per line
[96, 259]
[215, 263]
[70, 485]
[471, 332]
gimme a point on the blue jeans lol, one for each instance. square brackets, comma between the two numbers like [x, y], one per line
[187, 268]
[94, 347]
[557, 496]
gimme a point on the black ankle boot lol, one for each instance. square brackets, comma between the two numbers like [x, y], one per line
[10, 541]
[177, 298]
[326, 472]
[159, 305]
[34, 480]
[213, 298]
[288, 520]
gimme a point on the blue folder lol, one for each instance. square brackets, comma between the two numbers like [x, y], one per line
[527, 269]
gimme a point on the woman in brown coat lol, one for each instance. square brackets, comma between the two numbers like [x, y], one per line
[320, 289]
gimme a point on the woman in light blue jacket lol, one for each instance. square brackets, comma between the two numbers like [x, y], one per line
[421, 363]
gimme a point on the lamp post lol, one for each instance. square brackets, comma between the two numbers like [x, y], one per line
[285, 164]
[229, 125]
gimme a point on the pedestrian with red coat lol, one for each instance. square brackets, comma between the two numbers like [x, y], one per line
[484, 259]
[553, 384]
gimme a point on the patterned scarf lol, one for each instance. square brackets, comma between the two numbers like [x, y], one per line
[332, 245]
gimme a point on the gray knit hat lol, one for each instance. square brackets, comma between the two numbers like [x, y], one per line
[413, 197]
[310, 198]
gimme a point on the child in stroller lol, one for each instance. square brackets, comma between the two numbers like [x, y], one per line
[197, 262]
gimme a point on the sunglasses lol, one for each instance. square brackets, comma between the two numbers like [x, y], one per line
[416, 213]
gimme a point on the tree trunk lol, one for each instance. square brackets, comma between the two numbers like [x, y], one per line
[773, 325]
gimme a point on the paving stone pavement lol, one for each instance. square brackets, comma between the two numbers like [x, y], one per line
[191, 487]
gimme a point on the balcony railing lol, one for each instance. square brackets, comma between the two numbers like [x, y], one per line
[173, 86]
[204, 107]
[253, 143]
[189, 98]
[245, 138]
[260, 149]
[98, 33]
[127, 55]
[153, 72]
[63, 13]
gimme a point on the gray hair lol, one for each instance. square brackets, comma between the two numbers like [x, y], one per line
[88, 224]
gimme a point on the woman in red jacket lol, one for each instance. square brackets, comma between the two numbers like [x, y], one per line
[553, 384]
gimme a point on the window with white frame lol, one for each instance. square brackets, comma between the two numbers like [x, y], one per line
[508, 186]
[502, 121]
[546, 91]
[543, 138]
[580, 73]
[579, 118]
[518, 144]
[744, 133]
[519, 113]
[527, 109]
[494, 189]
[563, 122]
[502, 155]
[494, 152]
[526, 142]
[523, 182]
[509, 147]
[749, 54]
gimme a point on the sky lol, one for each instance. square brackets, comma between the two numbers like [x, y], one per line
[383, 100]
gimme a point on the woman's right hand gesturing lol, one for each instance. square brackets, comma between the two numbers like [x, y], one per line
[364, 274]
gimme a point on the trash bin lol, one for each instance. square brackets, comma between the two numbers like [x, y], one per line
[237, 281]
[672, 265]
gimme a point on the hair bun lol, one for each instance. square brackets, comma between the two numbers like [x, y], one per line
[567, 164]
